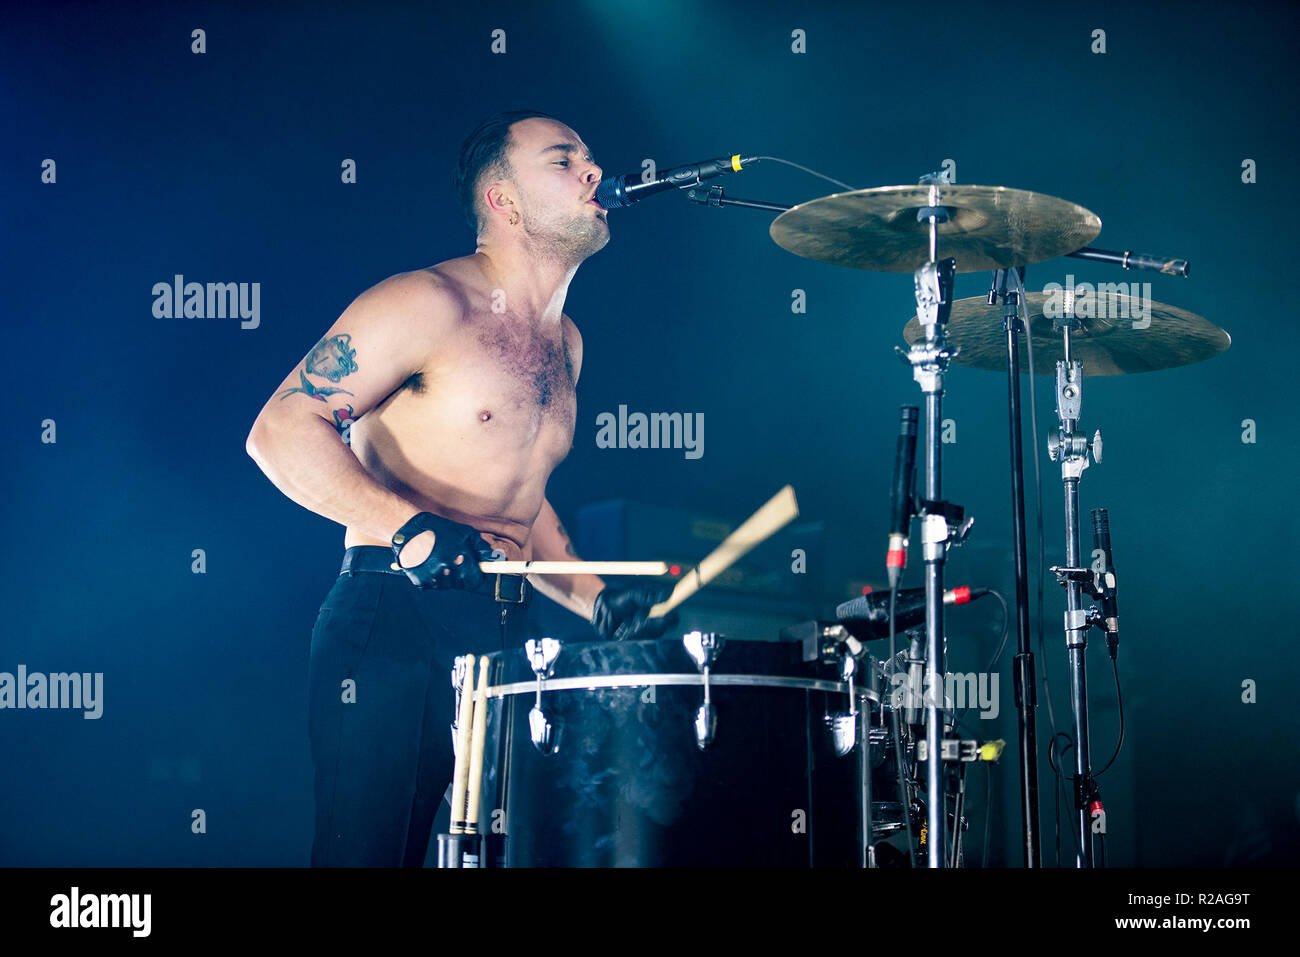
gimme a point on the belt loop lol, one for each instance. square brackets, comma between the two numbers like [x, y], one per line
[523, 590]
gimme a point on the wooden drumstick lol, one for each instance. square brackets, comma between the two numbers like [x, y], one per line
[463, 719]
[779, 511]
[478, 736]
[573, 568]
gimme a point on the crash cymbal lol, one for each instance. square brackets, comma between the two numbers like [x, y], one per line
[989, 227]
[1118, 345]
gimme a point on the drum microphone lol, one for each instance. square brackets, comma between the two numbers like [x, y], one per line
[1106, 582]
[619, 192]
[900, 496]
[868, 617]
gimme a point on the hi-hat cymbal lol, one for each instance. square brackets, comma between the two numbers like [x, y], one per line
[1118, 345]
[989, 227]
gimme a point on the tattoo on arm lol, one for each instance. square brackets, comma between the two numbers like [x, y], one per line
[344, 417]
[332, 359]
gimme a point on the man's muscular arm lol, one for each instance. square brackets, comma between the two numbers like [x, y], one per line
[551, 543]
[378, 342]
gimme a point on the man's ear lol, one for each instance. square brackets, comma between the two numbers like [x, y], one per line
[498, 197]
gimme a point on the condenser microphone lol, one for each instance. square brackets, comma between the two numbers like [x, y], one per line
[619, 192]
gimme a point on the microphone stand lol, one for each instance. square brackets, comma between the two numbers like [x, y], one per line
[1024, 674]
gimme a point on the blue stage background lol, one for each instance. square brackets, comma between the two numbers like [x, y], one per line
[225, 166]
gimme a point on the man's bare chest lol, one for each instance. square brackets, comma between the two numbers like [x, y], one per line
[534, 366]
[502, 379]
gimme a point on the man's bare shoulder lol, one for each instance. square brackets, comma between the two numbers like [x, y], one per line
[428, 294]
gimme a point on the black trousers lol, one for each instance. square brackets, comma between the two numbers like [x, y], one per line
[380, 709]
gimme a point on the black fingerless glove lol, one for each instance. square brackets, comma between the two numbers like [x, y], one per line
[622, 614]
[451, 540]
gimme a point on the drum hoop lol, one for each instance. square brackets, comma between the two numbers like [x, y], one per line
[645, 680]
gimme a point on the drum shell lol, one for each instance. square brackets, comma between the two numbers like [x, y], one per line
[627, 784]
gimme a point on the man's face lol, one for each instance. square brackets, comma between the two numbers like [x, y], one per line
[555, 179]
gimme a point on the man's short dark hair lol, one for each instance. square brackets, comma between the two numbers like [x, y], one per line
[484, 152]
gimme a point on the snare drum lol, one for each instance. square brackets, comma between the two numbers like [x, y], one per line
[686, 752]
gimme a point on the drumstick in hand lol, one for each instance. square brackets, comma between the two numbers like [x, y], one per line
[780, 510]
[573, 568]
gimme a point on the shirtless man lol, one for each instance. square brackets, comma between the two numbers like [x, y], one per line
[454, 386]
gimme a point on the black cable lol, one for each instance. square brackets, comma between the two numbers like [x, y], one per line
[777, 159]
[992, 666]
[956, 814]
[1056, 767]
[1119, 696]
[898, 747]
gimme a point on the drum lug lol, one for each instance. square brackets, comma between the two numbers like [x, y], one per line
[704, 648]
[844, 731]
[541, 656]
[706, 724]
[844, 727]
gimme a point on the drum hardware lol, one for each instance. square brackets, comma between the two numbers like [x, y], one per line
[818, 640]
[986, 228]
[541, 656]
[704, 648]
[844, 727]
[1072, 449]
[1167, 337]
[933, 283]
[458, 669]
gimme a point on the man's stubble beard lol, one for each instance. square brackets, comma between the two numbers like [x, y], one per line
[569, 241]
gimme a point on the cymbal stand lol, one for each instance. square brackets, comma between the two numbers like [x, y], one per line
[1072, 449]
[940, 521]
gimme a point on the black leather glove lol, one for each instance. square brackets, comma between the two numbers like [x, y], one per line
[451, 540]
[622, 614]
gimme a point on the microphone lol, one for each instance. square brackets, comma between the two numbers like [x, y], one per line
[619, 192]
[1106, 580]
[868, 617]
[900, 496]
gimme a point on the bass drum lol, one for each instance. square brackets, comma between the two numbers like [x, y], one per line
[605, 766]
